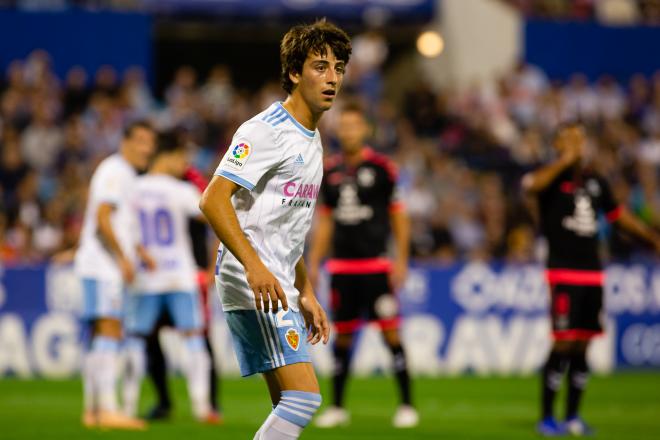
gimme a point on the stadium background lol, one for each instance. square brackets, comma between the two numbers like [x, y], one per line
[464, 112]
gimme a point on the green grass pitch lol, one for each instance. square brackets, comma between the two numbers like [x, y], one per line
[621, 406]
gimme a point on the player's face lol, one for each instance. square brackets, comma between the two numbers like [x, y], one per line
[320, 80]
[179, 162]
[572, 137]
[141, 145]
[352, 130]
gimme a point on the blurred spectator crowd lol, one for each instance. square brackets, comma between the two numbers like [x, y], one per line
[461, 153]
[618, 12]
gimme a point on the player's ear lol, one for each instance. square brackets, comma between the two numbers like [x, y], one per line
[294, 77]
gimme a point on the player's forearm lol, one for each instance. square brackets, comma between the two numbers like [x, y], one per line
[106, 232]
[401, 231]
[540, 179]
[218, 210]
[212, 256]
[633, 225]
[321, 240]
[302, 282]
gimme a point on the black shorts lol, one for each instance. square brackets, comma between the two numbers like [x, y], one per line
[356, 298]
[576, 304]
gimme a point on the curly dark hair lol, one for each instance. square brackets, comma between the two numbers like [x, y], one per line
[314, 38]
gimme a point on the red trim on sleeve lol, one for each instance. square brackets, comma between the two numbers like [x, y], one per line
[348, 326]
[383, 161]
[358, 266]
[576, 334]
[614, 214]
[575, 277]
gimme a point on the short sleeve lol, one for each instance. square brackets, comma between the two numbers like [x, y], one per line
[109, 185]
[393, 189]
[190, 196]
[252, 153]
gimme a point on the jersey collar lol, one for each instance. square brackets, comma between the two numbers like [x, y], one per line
[305, 131]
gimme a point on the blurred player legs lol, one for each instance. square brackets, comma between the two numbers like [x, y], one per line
[360, 207]
[157, 369]
[571, 196]
[164, 204]
[270, 180]
[105, 262]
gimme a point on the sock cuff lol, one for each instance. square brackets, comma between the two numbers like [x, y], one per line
[103, 343]
[135, 343]
[312, 397]
[298, 407]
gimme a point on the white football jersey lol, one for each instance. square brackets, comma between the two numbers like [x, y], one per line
[112, 182]
[163, 206]
[279, 164]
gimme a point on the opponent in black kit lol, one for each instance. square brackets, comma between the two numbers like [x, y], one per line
[359, 208]
[571, 200]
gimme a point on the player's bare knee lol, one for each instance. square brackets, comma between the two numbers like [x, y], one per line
[344, 340]
[563, 346]
[392, 337]
[108, 327]
[581, 346]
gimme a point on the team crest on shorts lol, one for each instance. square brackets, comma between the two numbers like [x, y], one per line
[293, 338]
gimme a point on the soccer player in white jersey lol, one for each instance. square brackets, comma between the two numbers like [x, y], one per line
[260, 204]
[105, 262]
[163, 205]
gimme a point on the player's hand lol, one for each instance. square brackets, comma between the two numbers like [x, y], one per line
[127, 270]
[149, 261]
[267, 290]
[63, 257]
[570, 155]
[398, 275]
[316, 321]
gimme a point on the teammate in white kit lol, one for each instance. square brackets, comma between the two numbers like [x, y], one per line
[163, 205]
[105, 262]
[260, 204]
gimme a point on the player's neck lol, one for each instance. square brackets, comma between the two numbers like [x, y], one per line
[126, 155]
[159, 168]
[301, 112]
[353, 158]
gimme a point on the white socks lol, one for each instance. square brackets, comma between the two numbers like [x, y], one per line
[100, 375]
[287, 421]
[89, 388]
[276, 428]
[196, 368]
[133, 374]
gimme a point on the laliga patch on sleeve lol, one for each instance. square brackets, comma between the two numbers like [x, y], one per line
[238, 155]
